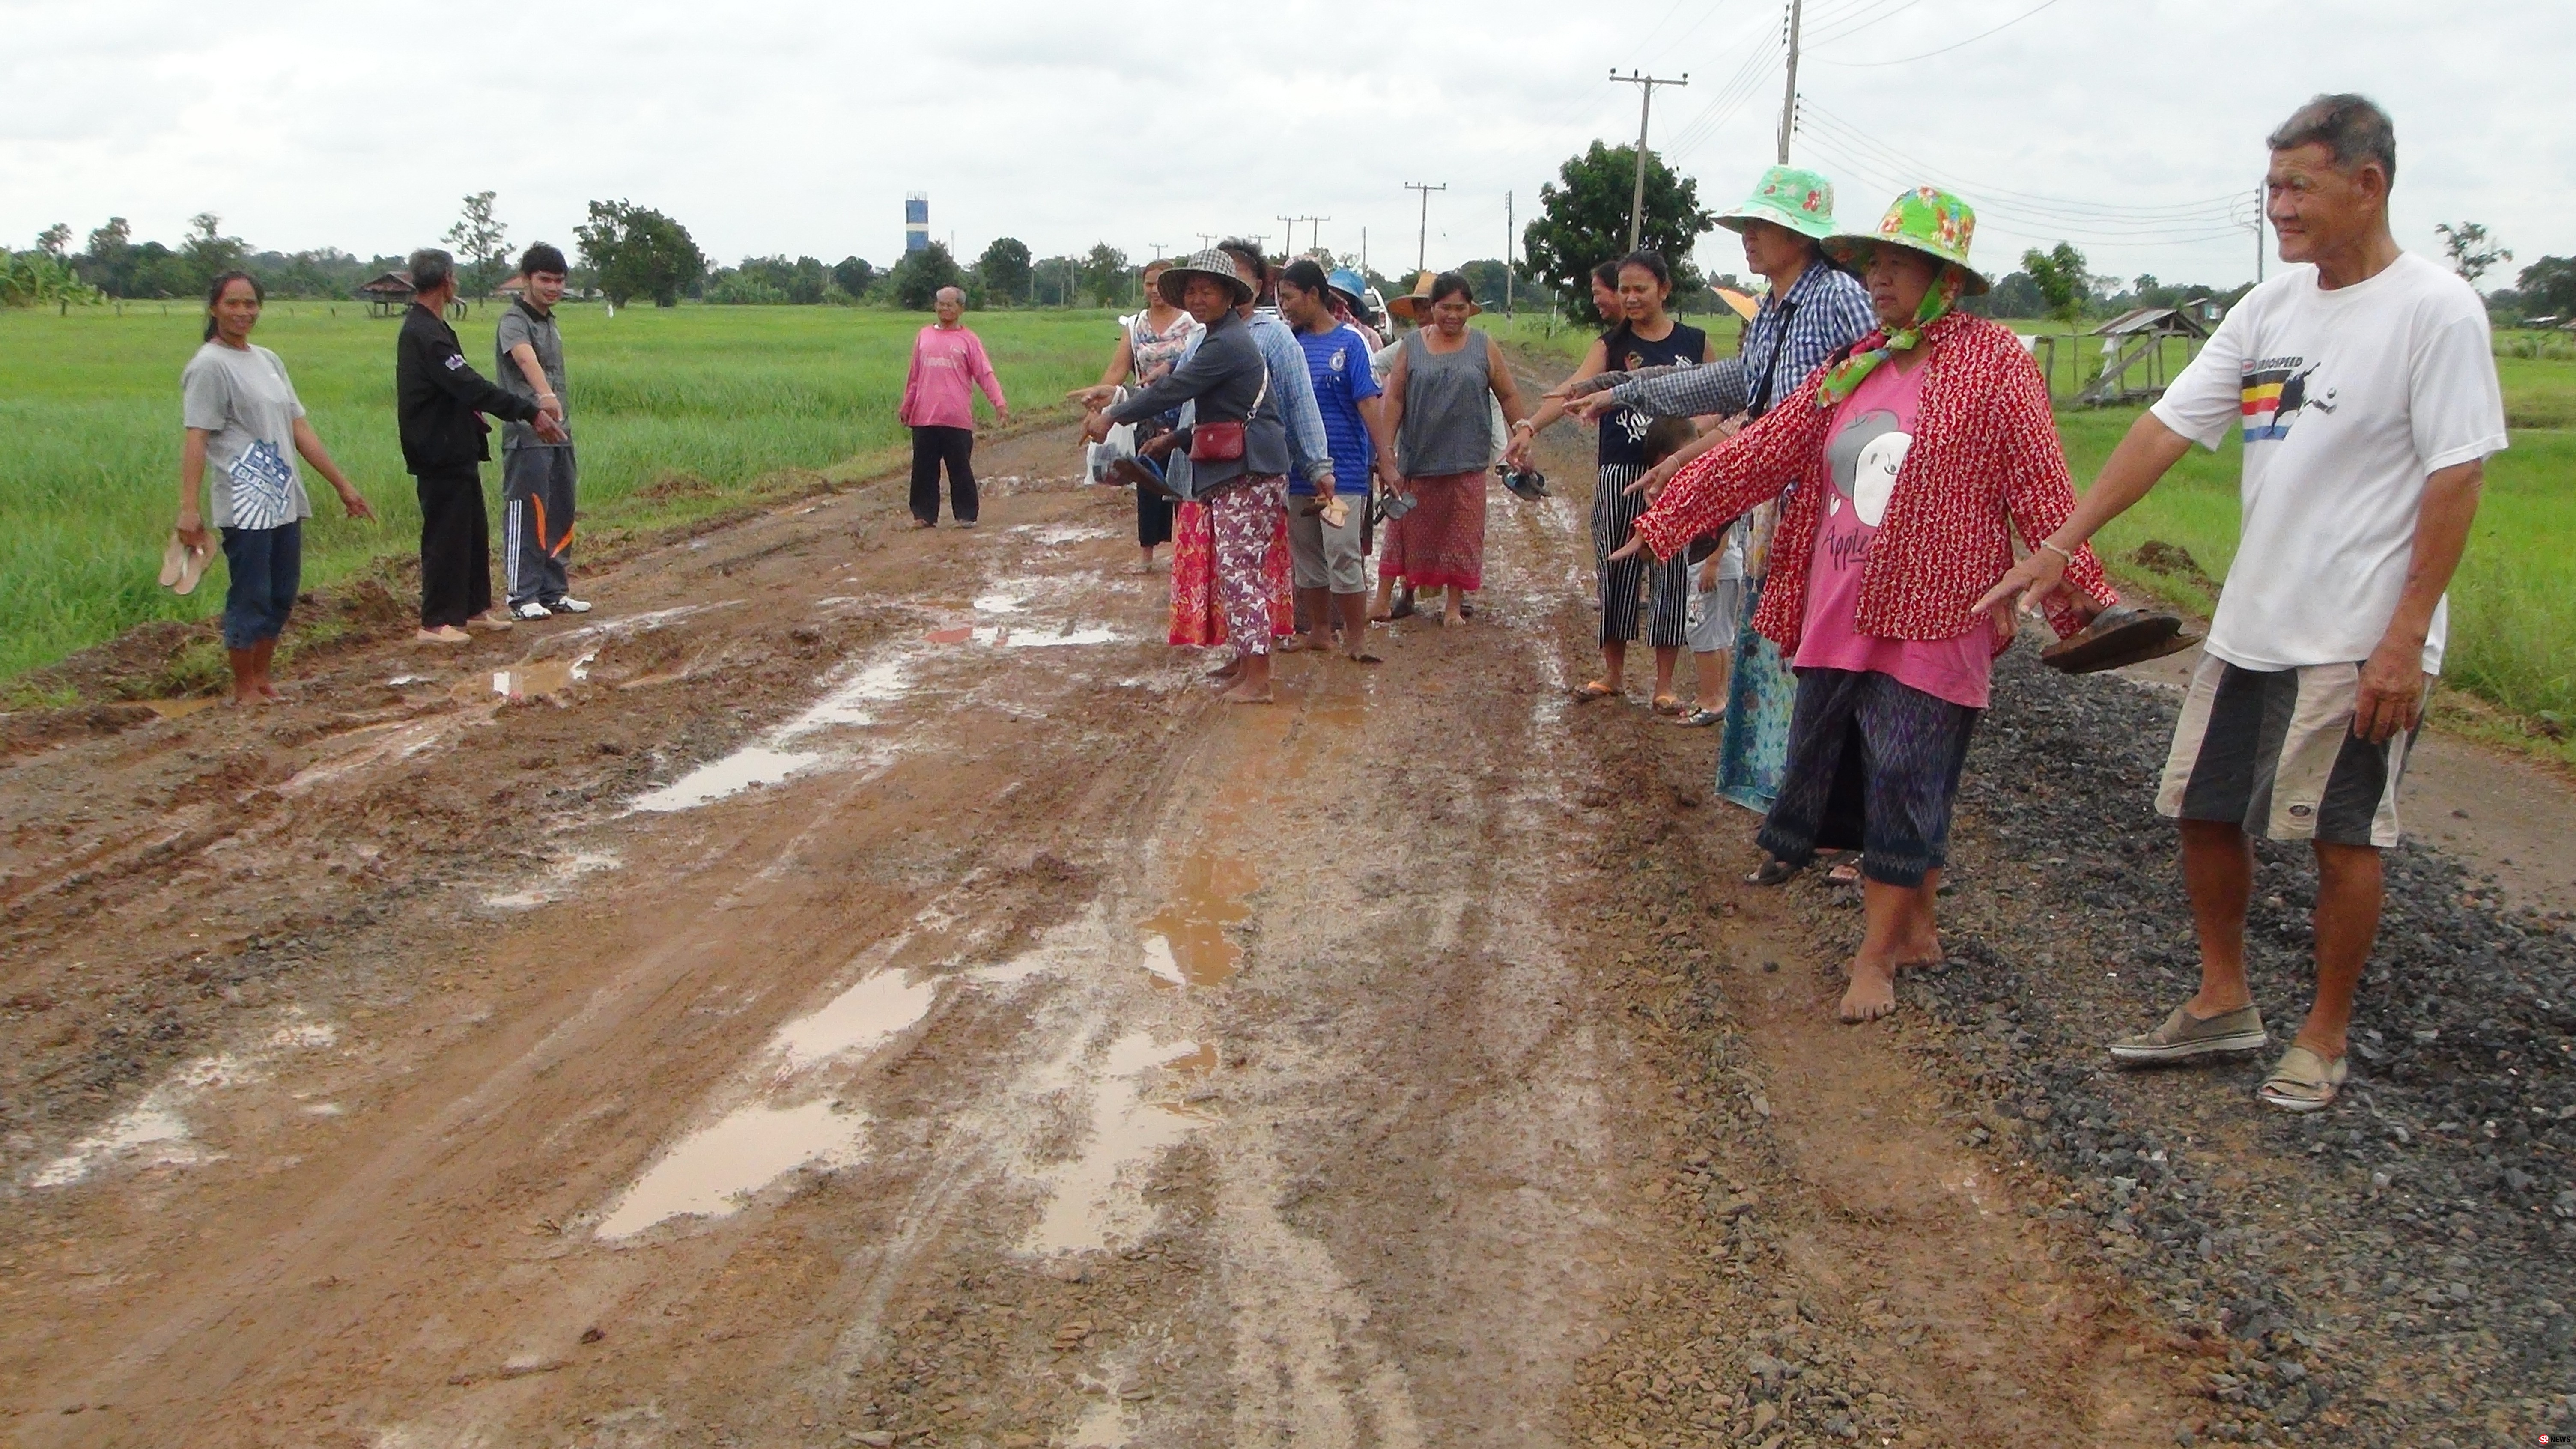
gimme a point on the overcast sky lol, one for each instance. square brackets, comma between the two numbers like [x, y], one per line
[798, 127]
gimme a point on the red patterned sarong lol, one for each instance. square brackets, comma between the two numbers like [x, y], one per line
[1441, 542]
[1198, 615]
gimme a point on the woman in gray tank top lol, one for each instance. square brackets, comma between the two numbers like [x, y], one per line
[1445, 381]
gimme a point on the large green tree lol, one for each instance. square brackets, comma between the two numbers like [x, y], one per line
[919, 276]
[1004, 269]
[853, 276]
[209, 253]
[1104, 274]
[481, 242]
[636, 251]
[2548, 287]
[1583, 221]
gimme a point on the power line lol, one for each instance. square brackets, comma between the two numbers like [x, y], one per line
[1855, 138]
[2007, 217]
[1730, 97]
[1852, 22]
[1945, 50]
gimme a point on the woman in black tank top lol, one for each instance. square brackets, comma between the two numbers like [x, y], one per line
[1645, 336]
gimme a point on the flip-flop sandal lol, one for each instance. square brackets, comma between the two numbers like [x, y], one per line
[2303, 1082]
[1403, 609]
[1700, 719]
[1363, 658]
[1773, 871]
[1592, 689]
[2119, 636]
[1845, 869]
[1668, 704]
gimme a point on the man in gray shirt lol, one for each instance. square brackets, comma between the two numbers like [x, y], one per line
[536, 475]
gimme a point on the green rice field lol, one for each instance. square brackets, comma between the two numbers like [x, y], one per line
[680, 413]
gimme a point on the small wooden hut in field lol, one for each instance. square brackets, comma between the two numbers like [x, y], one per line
[387, 295]
[2135, 342]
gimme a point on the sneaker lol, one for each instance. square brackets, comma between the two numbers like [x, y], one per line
[569, 605]
[531, 610]
[2185, 1037]
[443, 634]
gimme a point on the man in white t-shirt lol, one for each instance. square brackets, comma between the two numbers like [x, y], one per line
[2369, 401]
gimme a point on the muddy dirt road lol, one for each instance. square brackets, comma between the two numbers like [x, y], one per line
[858, 987]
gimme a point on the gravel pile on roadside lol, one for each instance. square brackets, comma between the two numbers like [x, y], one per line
[2397, 1270]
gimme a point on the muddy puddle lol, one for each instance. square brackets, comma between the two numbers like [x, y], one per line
[542, 678]
[853, 703]
[1135, 1118]
[182, 708]
[155, 1131]
[789, 1113]
[1185, 943]
[555, 881]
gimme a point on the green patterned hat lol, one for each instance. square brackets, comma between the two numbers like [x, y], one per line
[1802, 201]
[1926, 219]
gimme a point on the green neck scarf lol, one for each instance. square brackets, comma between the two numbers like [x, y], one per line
[1846, 377]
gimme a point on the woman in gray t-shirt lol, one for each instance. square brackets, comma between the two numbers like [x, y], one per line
[242, 417]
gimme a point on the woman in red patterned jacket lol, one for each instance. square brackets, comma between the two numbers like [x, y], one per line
[1908, 460]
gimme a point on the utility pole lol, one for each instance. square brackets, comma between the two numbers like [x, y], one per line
[1158, 250]
[1363, 254]
[1289, 222]
[1315, 235]
[1789, 99]
[1511, 249]
[2262, 198]
[1207, 239]
[1422, 244]
[1645, 111]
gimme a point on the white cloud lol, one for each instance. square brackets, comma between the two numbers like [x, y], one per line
[799, 127]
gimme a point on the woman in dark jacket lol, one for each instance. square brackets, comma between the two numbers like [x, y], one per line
[1238, 450]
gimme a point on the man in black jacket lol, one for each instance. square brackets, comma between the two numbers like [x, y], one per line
[436, 396]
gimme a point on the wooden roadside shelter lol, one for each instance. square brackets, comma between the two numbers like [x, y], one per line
[387, 295]
[2138, 337]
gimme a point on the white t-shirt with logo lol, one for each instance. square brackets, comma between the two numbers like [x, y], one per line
[2350, 399]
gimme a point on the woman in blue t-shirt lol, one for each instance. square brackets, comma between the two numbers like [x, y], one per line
[1644, 335]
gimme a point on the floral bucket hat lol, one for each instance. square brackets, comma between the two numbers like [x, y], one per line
[1926, 219]
[1802, 201]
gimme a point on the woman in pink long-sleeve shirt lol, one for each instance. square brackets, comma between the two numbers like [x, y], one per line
[948, 364]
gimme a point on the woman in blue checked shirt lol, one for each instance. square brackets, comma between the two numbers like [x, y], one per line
[1812, 311]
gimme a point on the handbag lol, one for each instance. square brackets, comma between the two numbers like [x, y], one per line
[1223, 442]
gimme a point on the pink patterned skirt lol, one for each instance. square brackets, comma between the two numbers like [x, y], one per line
[1198, 606]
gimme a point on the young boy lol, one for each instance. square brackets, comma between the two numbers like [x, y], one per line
[536, 475]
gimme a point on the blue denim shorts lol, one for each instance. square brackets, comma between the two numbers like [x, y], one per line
[267, 570]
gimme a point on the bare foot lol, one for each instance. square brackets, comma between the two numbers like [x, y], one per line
[1872, 993]
[1246, 692]
[1452, 619]
[1299, 644]
[921, 523]
[1359, 654]
[1921, 951]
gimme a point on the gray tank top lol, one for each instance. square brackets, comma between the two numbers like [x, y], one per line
[1445, 405]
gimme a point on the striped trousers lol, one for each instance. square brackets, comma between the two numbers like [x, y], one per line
[1635, 585]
